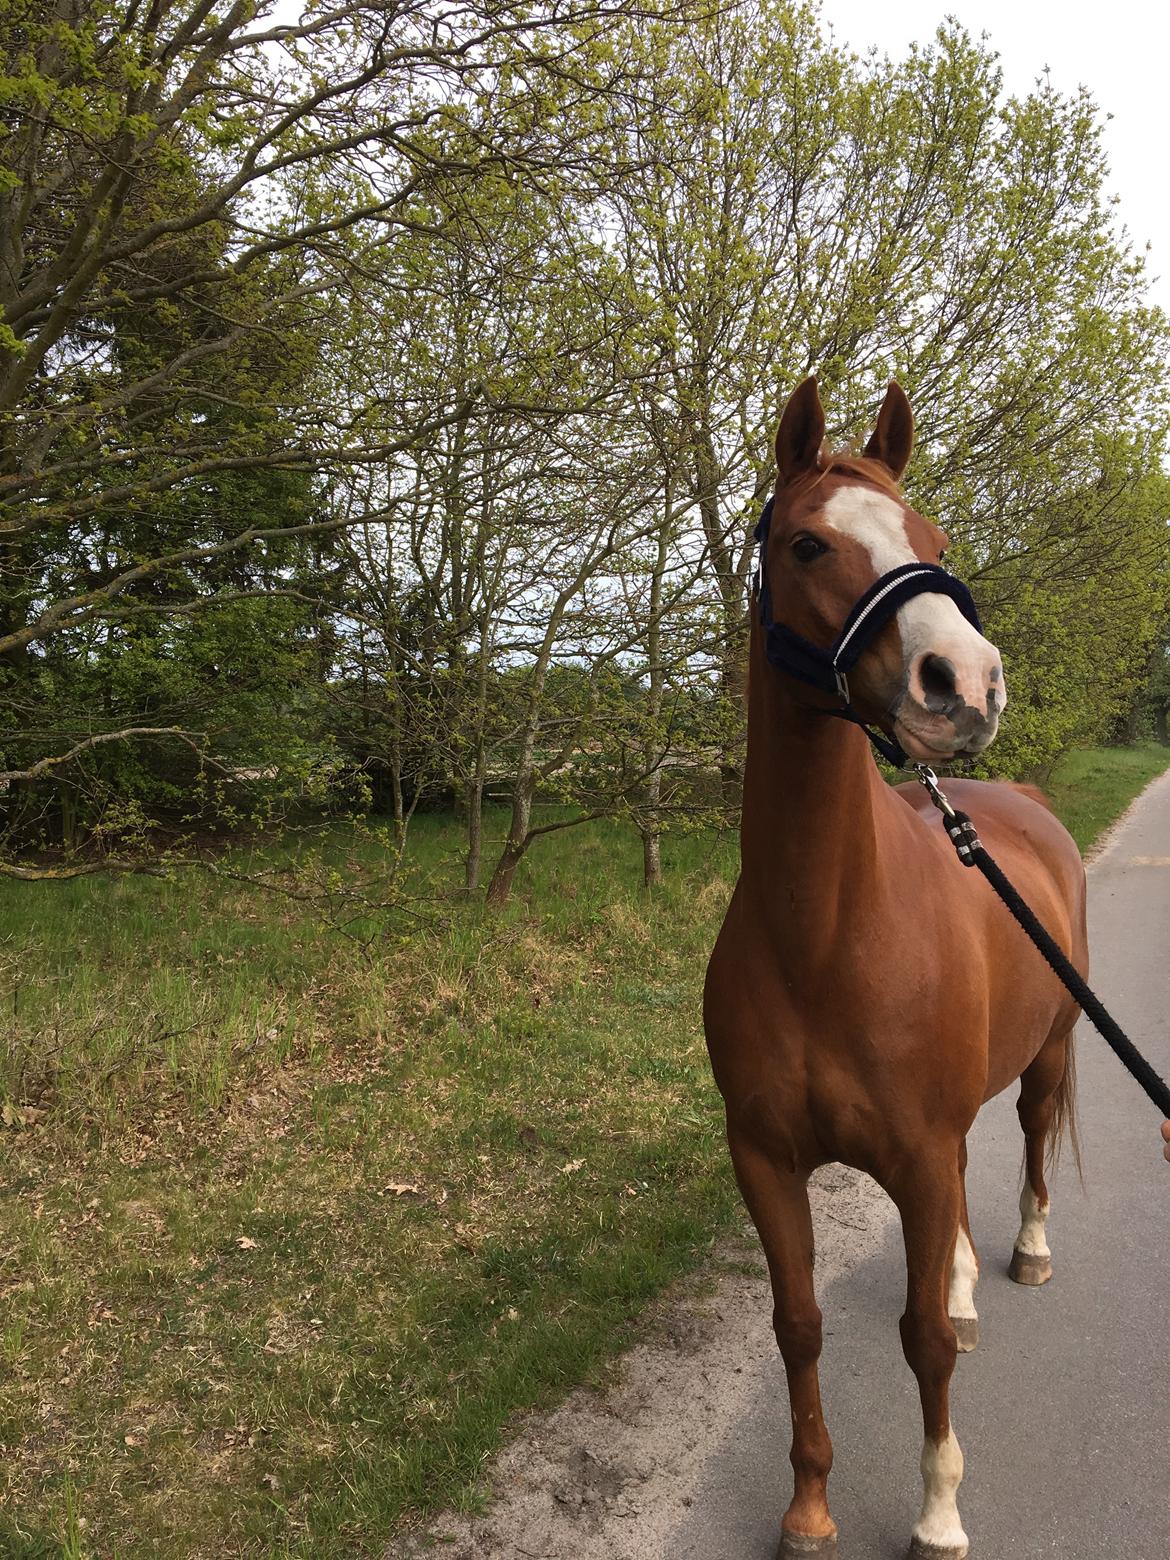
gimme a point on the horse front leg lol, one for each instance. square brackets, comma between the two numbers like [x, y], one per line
[777, 1201]
[929, 1201]
[964, 1272]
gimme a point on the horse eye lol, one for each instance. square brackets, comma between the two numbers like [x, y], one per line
[806, 548]
[942, 557]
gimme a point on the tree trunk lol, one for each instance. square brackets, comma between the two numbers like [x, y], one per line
[500, 887]
[474, 833]
[651, 857]
[733, 607]
[479, 761]
[524, 785]
[399, 801]
[651, 754]
[68, 819]
[516, 844]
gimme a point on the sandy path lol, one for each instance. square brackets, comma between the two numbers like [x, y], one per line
[611, 1475]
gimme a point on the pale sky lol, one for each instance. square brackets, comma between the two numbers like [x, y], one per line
[1119, 50]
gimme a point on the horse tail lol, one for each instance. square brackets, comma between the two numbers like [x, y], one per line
[1064, 1116]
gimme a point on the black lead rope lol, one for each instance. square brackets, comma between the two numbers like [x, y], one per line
[972, 853]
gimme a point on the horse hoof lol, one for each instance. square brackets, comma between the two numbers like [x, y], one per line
[966, 1332]
[1030, 1270]
[795, 1546]
[921, 1551]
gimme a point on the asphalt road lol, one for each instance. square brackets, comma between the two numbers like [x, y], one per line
[1063, 1411]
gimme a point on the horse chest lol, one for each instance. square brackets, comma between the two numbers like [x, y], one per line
[847, 1038]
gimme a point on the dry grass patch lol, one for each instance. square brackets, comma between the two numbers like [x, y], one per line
[277, 1282]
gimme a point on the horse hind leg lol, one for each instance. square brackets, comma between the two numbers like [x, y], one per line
[1045, 1107]
[964, 1273]
[778, 1203]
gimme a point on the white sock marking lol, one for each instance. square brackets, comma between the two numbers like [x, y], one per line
[942, 1472]
[964, 1272]
[1031, 1240]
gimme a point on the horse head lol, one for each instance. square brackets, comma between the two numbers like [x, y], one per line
[839, 524]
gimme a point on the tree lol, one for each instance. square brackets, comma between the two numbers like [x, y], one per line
[797, 209]
[439, 351]
[181, 192]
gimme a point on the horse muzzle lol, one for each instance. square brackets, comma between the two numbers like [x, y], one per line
[951, 705]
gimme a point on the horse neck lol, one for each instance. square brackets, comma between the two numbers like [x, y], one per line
[812, 799]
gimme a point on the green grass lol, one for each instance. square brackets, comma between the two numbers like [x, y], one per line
[1090, 787]
[304, 1223]
[307, 1219]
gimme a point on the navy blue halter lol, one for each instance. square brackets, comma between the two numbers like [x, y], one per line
[829, 669]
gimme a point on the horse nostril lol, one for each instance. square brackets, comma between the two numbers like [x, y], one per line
[939, 680]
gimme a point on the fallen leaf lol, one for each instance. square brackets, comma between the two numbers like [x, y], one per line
[245, 1243]
[20, 1115]
[572, 1167]
[401, 1188]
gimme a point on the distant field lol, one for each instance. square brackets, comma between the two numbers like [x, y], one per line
[296, 1222]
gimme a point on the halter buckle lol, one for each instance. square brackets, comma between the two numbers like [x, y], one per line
[842, 685]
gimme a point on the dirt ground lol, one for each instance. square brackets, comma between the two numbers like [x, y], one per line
[611, 1474]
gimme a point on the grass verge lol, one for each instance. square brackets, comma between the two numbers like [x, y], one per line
[305, 1222]
[1091, 787]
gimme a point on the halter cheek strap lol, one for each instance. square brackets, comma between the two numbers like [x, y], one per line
[829, 669]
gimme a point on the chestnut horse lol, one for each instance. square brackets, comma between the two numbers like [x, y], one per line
[866, 994]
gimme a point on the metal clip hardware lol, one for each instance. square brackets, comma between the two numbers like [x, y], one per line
[929, 780]
[842, 685]
[960, 829]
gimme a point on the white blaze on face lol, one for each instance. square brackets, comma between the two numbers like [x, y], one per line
[964, 1272]
[874, 520]
[942, 1472]
[1032, 1240]
[929, 624]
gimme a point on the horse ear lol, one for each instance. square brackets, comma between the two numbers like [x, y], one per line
[893, 438]
[801, 430]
